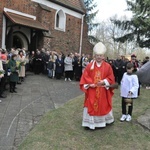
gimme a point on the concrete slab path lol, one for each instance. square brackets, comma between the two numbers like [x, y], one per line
[21, 111]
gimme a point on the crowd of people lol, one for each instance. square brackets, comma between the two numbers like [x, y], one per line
[97, 74]
[15, 63]
[58, 65]
[12, 69]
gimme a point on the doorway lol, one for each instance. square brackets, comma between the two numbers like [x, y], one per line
[17, 42]
[20, 40]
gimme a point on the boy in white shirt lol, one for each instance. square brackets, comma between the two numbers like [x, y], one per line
[129, 90]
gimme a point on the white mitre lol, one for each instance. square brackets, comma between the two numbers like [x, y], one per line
[99, 48]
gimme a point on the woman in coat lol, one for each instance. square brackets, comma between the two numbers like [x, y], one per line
[14, 69]
[59, 66]
[68, 66]
[22, 60]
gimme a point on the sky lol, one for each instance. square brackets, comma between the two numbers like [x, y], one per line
[109, 8]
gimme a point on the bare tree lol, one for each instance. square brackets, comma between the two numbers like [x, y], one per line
[106, 33]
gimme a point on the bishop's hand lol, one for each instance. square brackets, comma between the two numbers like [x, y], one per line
[100, 83]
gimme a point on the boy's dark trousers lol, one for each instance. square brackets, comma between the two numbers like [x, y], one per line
[130, 108]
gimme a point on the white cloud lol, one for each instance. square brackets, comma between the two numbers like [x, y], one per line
[109, 8]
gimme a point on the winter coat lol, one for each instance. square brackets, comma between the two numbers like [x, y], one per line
[59, 65]
[22, 61]
[68, 64]
[14, 70]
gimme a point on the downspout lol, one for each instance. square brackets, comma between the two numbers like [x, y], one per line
[81, 35]
[4, 33]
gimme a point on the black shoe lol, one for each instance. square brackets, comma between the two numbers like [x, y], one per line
[3, 96]
[11, 91]
[87, 128]
[18, 82]
[14, 91]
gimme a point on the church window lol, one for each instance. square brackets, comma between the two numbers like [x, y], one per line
[60, 20]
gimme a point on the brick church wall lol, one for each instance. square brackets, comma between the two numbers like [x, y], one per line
[68, 41]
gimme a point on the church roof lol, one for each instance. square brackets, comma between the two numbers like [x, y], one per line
[76, 5]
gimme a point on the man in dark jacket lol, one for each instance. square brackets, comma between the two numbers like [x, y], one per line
[119, 69]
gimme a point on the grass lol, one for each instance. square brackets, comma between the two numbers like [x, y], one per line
[61, 129]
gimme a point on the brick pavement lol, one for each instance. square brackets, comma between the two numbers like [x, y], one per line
[20, 112]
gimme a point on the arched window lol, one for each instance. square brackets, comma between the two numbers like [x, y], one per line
[60, 20]
[57, 21]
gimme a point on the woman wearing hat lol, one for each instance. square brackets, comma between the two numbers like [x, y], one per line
[95, 82]
[14, 69]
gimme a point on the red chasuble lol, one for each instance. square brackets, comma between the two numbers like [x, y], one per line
[98, 100]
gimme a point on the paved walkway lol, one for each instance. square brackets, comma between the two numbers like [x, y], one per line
[144, 119]
[37, 95]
